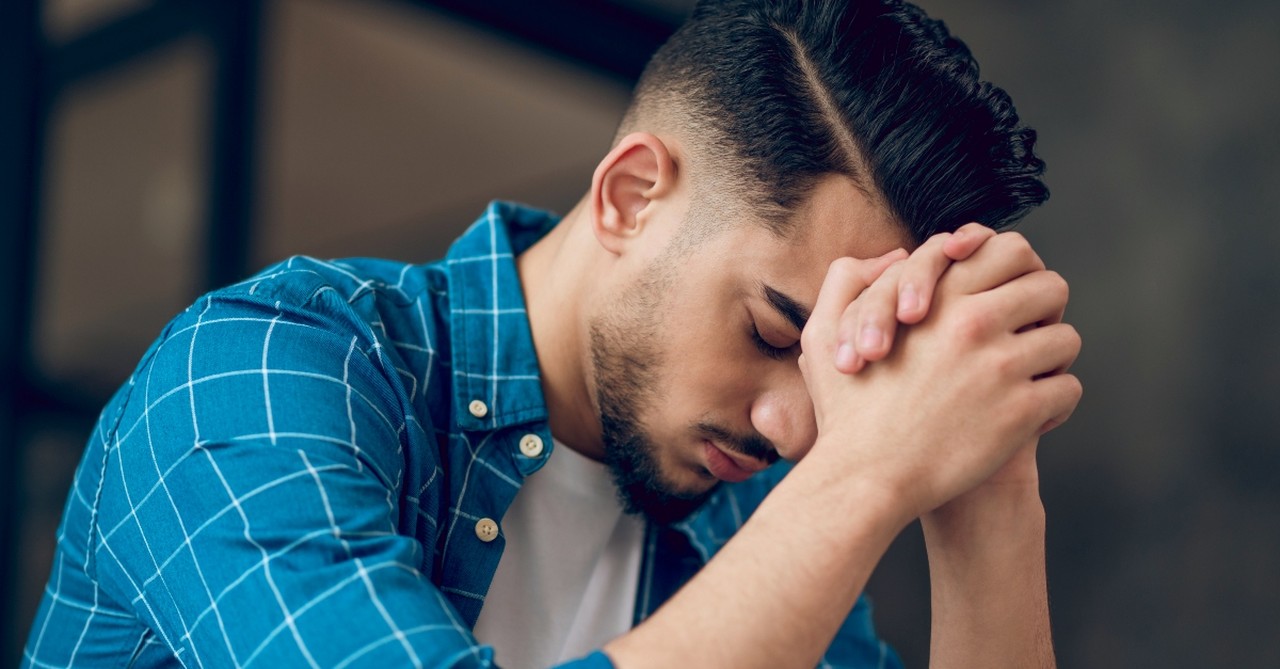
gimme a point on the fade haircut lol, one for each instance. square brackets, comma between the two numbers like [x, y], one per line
[773, 95]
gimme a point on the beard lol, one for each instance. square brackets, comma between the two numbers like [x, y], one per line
[626, 365]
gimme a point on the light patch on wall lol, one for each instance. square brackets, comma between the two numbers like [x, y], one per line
[120, 250]
[66, 19]
[386, 129]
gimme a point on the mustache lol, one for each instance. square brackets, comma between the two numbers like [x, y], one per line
[754, 445]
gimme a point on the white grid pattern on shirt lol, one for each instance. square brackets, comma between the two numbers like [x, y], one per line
[274, 435]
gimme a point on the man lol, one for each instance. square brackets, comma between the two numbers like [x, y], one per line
[370, 463]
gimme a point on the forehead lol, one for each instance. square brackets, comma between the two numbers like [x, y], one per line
[839, 219]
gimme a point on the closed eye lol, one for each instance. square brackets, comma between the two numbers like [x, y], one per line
[765, 347]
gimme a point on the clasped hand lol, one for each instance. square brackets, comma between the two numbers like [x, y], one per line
[929, 372]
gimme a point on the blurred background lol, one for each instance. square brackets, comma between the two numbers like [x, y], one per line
[153, 149]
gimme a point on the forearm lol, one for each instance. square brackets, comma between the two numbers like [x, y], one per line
[777, 593]
[986, 566]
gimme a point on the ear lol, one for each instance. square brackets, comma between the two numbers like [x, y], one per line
[637, 172]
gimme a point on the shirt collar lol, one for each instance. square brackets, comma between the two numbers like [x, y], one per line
[494, 360]
[496, 379]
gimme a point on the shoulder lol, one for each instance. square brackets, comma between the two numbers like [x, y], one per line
[297, 347]
[343, 303]
[300, 280]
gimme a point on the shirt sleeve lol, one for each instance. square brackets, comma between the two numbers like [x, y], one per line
[856, 644]
[250, 504]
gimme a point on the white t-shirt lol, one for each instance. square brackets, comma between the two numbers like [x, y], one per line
[566, 583]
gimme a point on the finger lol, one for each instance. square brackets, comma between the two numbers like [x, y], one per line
[848, 361]
[965, 240]
[1045, 351]
[846, 279]
[1057, 397]
[999, 260]
[874, 267]
[927, 263]
[869, 323]
[1031, 300]
[919, 276]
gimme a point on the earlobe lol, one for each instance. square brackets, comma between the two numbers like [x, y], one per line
[637, 172]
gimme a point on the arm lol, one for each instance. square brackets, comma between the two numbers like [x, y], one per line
[929, 422]
[986, 564]
[986, 547]
[260, 501]
[249, 509]
[775, 595]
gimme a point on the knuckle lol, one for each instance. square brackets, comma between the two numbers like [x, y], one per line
[807, 340]
[936, 240]
[1073, 337]
[1051, 291]
[1022, 251]
[1013, 237]
[848, 326]
[972, 326]
[1005, 364]
[931, 249]
[812, 340]
[1061, 289]
[843, 267]
[1072, 391]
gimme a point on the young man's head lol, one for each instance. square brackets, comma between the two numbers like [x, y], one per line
[766, 139]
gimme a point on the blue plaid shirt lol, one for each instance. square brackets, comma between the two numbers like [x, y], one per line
[297, 472]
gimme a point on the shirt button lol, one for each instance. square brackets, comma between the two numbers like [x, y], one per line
[531, 445]
[478, 409]
[486, 530]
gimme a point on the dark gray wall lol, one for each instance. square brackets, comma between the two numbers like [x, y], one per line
[1158, 123]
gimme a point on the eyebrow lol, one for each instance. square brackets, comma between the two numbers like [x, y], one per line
[795, 313]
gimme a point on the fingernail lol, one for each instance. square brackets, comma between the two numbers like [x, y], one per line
[846, 356]
[908, 299]
[870, 338]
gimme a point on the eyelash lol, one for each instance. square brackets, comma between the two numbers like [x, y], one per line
[765, 347]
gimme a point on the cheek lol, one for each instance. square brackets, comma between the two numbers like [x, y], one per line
[709, 364]
[707, 376]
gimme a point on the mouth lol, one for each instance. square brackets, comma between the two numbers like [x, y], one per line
[730, 466]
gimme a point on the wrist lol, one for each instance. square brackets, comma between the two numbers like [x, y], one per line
[981, 545]
[856, 487]
[989, 514]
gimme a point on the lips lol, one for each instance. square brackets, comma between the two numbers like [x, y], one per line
[729, 466]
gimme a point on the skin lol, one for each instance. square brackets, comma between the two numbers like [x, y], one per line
[721, 376]
[937, 421]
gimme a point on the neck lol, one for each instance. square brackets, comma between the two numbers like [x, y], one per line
[553, 274]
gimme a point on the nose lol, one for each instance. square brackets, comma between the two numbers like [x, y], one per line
[783, 414]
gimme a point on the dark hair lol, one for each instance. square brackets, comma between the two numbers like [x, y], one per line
[873, 89]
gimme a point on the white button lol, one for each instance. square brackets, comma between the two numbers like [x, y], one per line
[478, 409]
[486, 530]
[531, 445]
